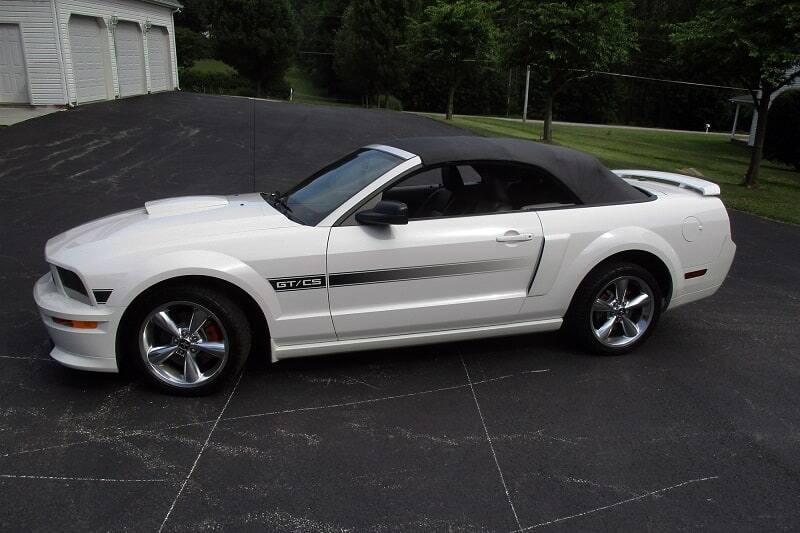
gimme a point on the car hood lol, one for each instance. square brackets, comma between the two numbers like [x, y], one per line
[161, 222]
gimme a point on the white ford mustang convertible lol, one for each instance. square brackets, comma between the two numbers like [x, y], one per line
[426, 240]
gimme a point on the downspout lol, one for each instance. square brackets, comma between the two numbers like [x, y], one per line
[175, 45]
[112, 22]
[59, 50]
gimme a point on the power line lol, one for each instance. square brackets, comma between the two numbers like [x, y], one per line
[662, 80]
[600, 72]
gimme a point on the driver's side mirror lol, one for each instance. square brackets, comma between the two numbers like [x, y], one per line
[384, 213]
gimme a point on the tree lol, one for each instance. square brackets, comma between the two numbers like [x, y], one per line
[257, 37]
[568, 40]
[191, 46]
[756, 42]
[368, 53]
[782, 142]
[319, 22]
[195, 15]
[457, 39]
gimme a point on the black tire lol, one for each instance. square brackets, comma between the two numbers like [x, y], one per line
[234, 331]
[578, 323]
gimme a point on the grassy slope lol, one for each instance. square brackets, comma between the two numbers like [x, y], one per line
[714, 156]
[305, 92]
[212, 66]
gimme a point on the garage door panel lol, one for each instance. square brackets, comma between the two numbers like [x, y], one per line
[159, 59]
[130, 59]
[13, 78]
[88, 48]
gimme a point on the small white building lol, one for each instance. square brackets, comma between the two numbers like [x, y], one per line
[61, 52]
[747, 101]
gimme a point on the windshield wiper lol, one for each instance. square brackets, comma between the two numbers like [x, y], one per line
[279, 200]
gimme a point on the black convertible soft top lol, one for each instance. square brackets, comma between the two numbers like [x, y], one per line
[582, 173]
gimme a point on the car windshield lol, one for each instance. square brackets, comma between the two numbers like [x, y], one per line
[319, 195]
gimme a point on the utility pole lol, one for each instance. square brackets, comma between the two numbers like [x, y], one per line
[527, 86]
[508, 93]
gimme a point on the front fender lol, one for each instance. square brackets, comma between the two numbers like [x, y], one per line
[175, 264]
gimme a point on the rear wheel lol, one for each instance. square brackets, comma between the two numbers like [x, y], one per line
[187, 340]
[615, 309]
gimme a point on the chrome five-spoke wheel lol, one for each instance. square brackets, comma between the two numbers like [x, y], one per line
[183, 344]
[622, 311]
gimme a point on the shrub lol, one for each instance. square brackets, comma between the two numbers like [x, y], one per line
[211, 76]
[783, 129]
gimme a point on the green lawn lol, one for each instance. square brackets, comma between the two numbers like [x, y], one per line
[713, 156]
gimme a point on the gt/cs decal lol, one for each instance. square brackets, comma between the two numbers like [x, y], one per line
[298, 284]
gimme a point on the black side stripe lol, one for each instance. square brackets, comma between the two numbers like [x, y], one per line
[423, 272]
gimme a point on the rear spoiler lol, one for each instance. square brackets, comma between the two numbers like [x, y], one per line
[706, 188]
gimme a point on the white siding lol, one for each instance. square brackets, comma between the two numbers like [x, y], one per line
[130, 10]
[40, 45]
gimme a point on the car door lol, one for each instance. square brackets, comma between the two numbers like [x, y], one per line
[432, 274]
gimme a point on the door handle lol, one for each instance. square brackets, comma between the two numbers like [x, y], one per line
[515, 237]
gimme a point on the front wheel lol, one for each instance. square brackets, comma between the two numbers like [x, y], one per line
[615, 309]
[187, 340]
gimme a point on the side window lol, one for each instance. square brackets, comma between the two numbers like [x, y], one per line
[511, 187]
[469, 175]
[423, 192]
[475, 189]
[431, 177]
[417, 191]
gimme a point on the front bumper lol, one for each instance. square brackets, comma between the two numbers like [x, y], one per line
[84, 349]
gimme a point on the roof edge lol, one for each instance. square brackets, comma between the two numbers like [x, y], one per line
[172, 4]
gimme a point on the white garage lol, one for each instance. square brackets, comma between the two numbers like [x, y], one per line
[159, 59]
[90, 66]
[129, 44]
[13, 79]
[61, 52]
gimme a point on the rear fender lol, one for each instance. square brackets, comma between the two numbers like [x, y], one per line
[579, 260]
[628, 239]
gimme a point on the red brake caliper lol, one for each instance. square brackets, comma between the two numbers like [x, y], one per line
[212, 333]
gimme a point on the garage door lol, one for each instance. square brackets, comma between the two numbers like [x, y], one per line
[88, 46]
[159, 58]
[13, 80]
[130, 59]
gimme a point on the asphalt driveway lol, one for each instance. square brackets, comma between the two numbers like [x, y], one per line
[699, 429]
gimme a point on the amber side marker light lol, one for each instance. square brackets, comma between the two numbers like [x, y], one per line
[695, 274]
[77, 324]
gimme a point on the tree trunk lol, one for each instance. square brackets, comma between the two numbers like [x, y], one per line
[547, 134]
[258, 88]
[751, 178]
[450, 96]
